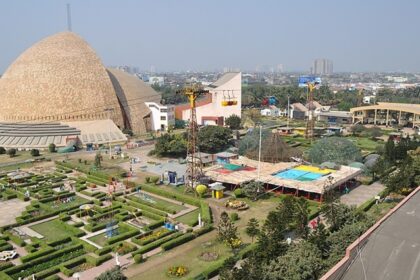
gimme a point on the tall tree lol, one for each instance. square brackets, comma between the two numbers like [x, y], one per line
[252, 228]
[227, 231]
[214, 139]
[303, 261]
[233, 122]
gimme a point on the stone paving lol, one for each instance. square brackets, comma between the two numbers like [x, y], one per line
[362, 193]
[10, 209]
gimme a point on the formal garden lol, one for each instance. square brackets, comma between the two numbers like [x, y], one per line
[78, 218]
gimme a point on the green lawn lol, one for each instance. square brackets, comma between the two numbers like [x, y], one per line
[60, 206]
[191, 260]
[189, 218]
[55, 230]
[364, 143]
[162, 202]
[101, 239]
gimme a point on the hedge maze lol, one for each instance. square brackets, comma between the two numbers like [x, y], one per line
[73, 223]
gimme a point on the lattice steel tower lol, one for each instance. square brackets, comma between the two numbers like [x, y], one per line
[310, 124]
[194, 164]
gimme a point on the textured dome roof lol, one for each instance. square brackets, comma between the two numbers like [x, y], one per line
[132, 93]
[58, 78]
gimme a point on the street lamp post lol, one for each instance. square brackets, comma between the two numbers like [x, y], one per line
[109, 111]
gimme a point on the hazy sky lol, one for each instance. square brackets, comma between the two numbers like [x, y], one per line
[358, 35]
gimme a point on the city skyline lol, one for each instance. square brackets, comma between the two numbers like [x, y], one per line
[357, 36]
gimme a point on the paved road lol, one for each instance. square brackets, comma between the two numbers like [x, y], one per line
[361, 194]
[393, 250]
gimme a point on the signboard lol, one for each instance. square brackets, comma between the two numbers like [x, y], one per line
[304, 80]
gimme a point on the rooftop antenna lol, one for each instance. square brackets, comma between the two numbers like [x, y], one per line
[68, 17]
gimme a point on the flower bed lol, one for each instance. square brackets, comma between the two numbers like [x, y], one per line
[177, 271]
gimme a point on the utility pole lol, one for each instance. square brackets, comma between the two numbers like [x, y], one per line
[288, 110]
[310, 124]
[109, 111]
[68, 17]
[259, 153]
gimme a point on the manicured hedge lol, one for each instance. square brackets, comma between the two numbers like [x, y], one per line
[16, 239]
[153, 205]
[177, 241]
[202, 230]
[59, 242]
[147, 208]
[44, 263]
[5, 265]
[205, 212]
[122, 237]
[6, 247]
[103, 250]
[36, 255]
[154, 225]
[157, 243]
[149, 239]
[172, 195]
[99, 260]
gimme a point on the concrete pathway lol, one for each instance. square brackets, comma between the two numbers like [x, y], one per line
[94, 272]
[10, 209]
[86, 237]
[361, 194]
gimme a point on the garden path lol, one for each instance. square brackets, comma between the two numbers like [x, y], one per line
[361, 194]
[169, 256]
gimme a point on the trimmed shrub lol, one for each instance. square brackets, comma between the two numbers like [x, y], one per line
[52, 148]
[11, 152]
[139, 258]
[36, 255]
[234, 216]
[157, 243]
[104, 250]
[177, 241]
[172, 195]
[2, 151]
[238, 193]
[202, 230]
[35, 153]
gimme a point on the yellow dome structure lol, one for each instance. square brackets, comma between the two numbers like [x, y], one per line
[61, 79]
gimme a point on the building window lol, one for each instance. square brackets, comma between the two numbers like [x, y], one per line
[163, 118]
[163, 110]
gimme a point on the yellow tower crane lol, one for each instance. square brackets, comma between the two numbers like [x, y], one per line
[194, 164]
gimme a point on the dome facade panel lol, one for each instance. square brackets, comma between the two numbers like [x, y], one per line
[58, 78]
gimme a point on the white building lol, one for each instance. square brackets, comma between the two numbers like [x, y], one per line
[271, 111]
[163, 116]
[160, 81]
[222, 101]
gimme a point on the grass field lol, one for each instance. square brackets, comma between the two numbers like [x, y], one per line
[364, 143]
[101, 239]
[191, 260]
[60, 206]
[165, 203]
[55, 229]
[189, 218]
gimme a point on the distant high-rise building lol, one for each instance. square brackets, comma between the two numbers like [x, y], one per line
[322, 66]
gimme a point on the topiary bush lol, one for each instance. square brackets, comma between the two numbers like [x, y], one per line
[234, 216]
[139, 258]
[11, 152]
[238, 193]
[2, 151]
[154, 180]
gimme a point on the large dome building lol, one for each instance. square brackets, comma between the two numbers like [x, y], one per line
[61, 80]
